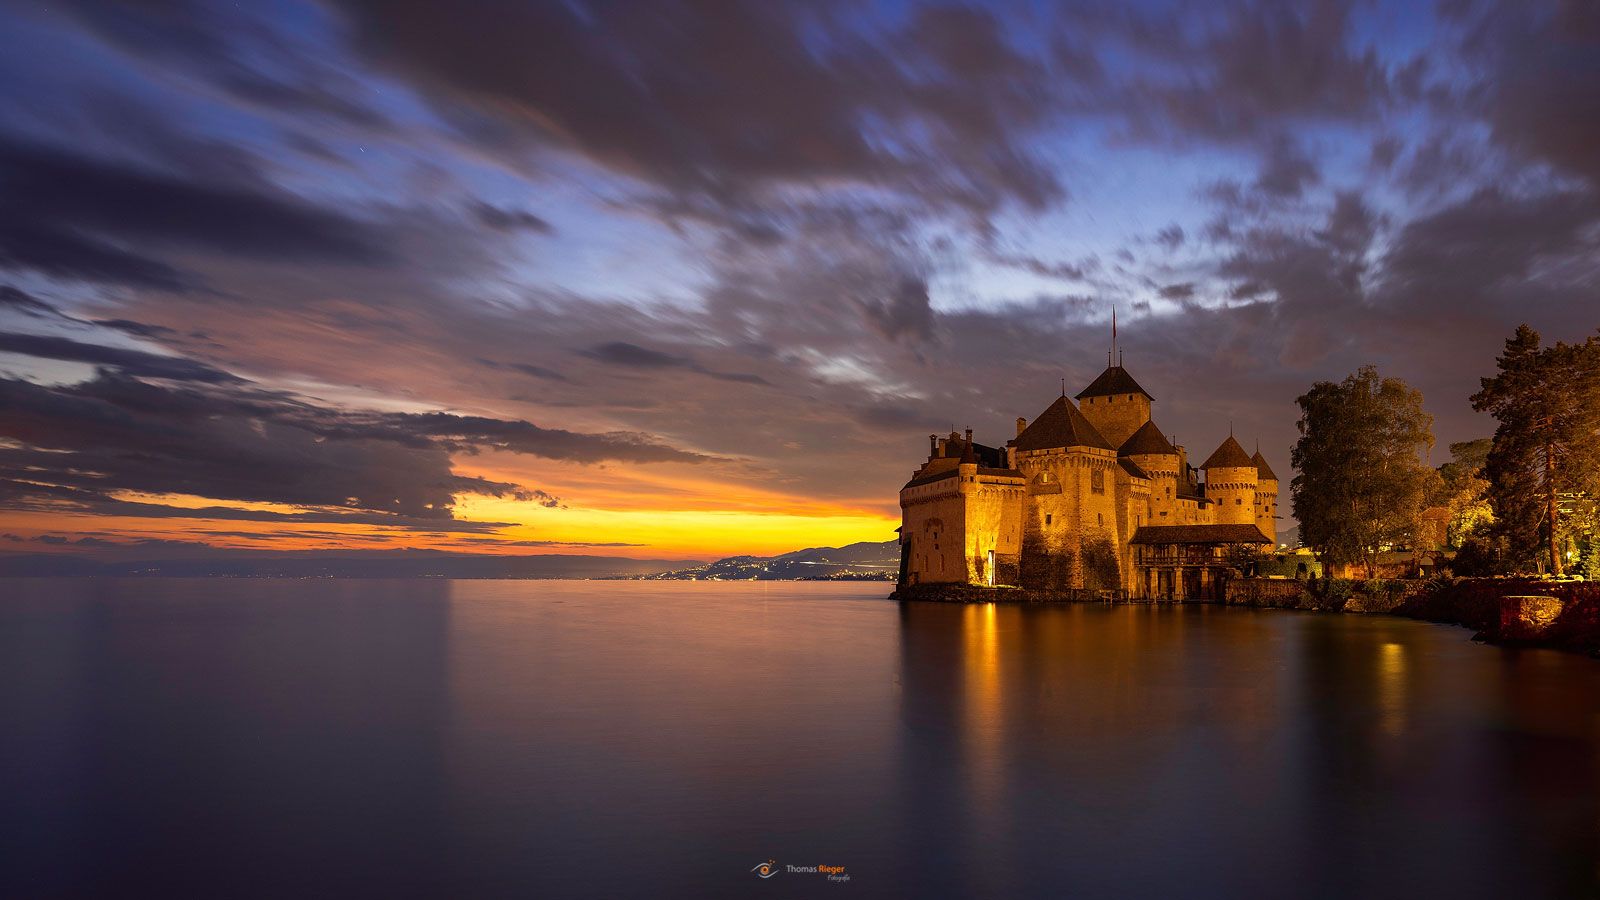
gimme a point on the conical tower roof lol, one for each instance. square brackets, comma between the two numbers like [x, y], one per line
[1114, 380]
[1263, 471]
[1060, 426]
[1148, 440]
[1228, 456]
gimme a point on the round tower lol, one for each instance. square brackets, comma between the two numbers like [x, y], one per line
[1150, 450]
[1231, 484]
[1266, 497]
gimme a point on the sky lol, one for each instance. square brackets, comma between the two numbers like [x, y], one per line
[689, 279]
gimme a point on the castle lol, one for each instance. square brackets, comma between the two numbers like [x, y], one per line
[1087, 497]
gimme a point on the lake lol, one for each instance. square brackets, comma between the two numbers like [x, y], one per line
[316, 738]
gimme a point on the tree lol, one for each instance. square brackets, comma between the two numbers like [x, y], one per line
[1547, 403]
[1465, 492]
[1361, 481]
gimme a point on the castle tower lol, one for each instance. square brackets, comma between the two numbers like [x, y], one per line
[1115, 405]
[1231, 484]
[1150, 450]
[1266, 497]
[1071, 526]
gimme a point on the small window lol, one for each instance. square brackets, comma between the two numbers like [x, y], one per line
[1099, 518]
[1047, 518]
[1238, 501]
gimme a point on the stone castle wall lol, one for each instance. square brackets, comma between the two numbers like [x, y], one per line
[1116, 416]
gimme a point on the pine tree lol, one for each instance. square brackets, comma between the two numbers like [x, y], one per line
[1361, 482]
[1547, 403]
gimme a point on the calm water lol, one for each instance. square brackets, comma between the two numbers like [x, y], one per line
[546, 739]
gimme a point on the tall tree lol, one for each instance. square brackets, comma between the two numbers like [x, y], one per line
[1361, 482]
[1547, 403]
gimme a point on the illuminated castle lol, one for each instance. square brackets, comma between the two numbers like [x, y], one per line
[1088, 496]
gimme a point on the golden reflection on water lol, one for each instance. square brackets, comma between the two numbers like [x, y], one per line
[983, 706]
[1392, 688]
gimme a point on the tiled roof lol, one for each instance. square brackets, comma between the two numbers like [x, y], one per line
[1147, 440]
[1060, 426]
[1199, 534]
[1263, 471]
[1228, 456]
[951, 473]
[1114, 380]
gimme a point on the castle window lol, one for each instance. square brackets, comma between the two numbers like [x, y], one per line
[1097, 481]
[1099, 518]
[1047, 518]
[1238, 501]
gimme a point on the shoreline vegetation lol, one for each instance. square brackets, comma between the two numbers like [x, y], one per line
[1529, 612]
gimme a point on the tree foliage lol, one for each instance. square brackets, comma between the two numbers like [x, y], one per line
[1545, 455]
[1464, 491]
[1361, 482]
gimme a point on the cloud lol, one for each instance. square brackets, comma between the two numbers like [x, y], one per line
[1287, 171]
[155, 425]
[732, 100]
[510, 219]
[1542, 96]
[136, 363]
[50, 184]
[633, 356]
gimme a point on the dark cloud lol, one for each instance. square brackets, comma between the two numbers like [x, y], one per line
[1492, 238]
[53, 190]
[526, 369]
[501, 219]
[1287, 170]
[1385, 151]
[1063, 270]
[25, 303]
[49, 251]
[237, 48]
[725, 100]
[633, 356]
[136, 363]
[1265, 65]
[1542, 96]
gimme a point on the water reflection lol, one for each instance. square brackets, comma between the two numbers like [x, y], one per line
[1145, 750]
[190, 738]
[514, 739]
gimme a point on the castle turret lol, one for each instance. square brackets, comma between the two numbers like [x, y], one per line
[1266, 497]
[1150, 450]
[1115, 404]
[1231, 484]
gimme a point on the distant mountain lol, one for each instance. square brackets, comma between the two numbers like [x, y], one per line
[339, 564]
[865, 561]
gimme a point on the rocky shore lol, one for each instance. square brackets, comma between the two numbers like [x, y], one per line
[1505, 611]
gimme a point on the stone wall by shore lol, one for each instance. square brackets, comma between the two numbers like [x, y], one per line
[1514, 611]
[1511, 611]
[971, 593]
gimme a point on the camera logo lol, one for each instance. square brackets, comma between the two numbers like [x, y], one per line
[766, 869]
